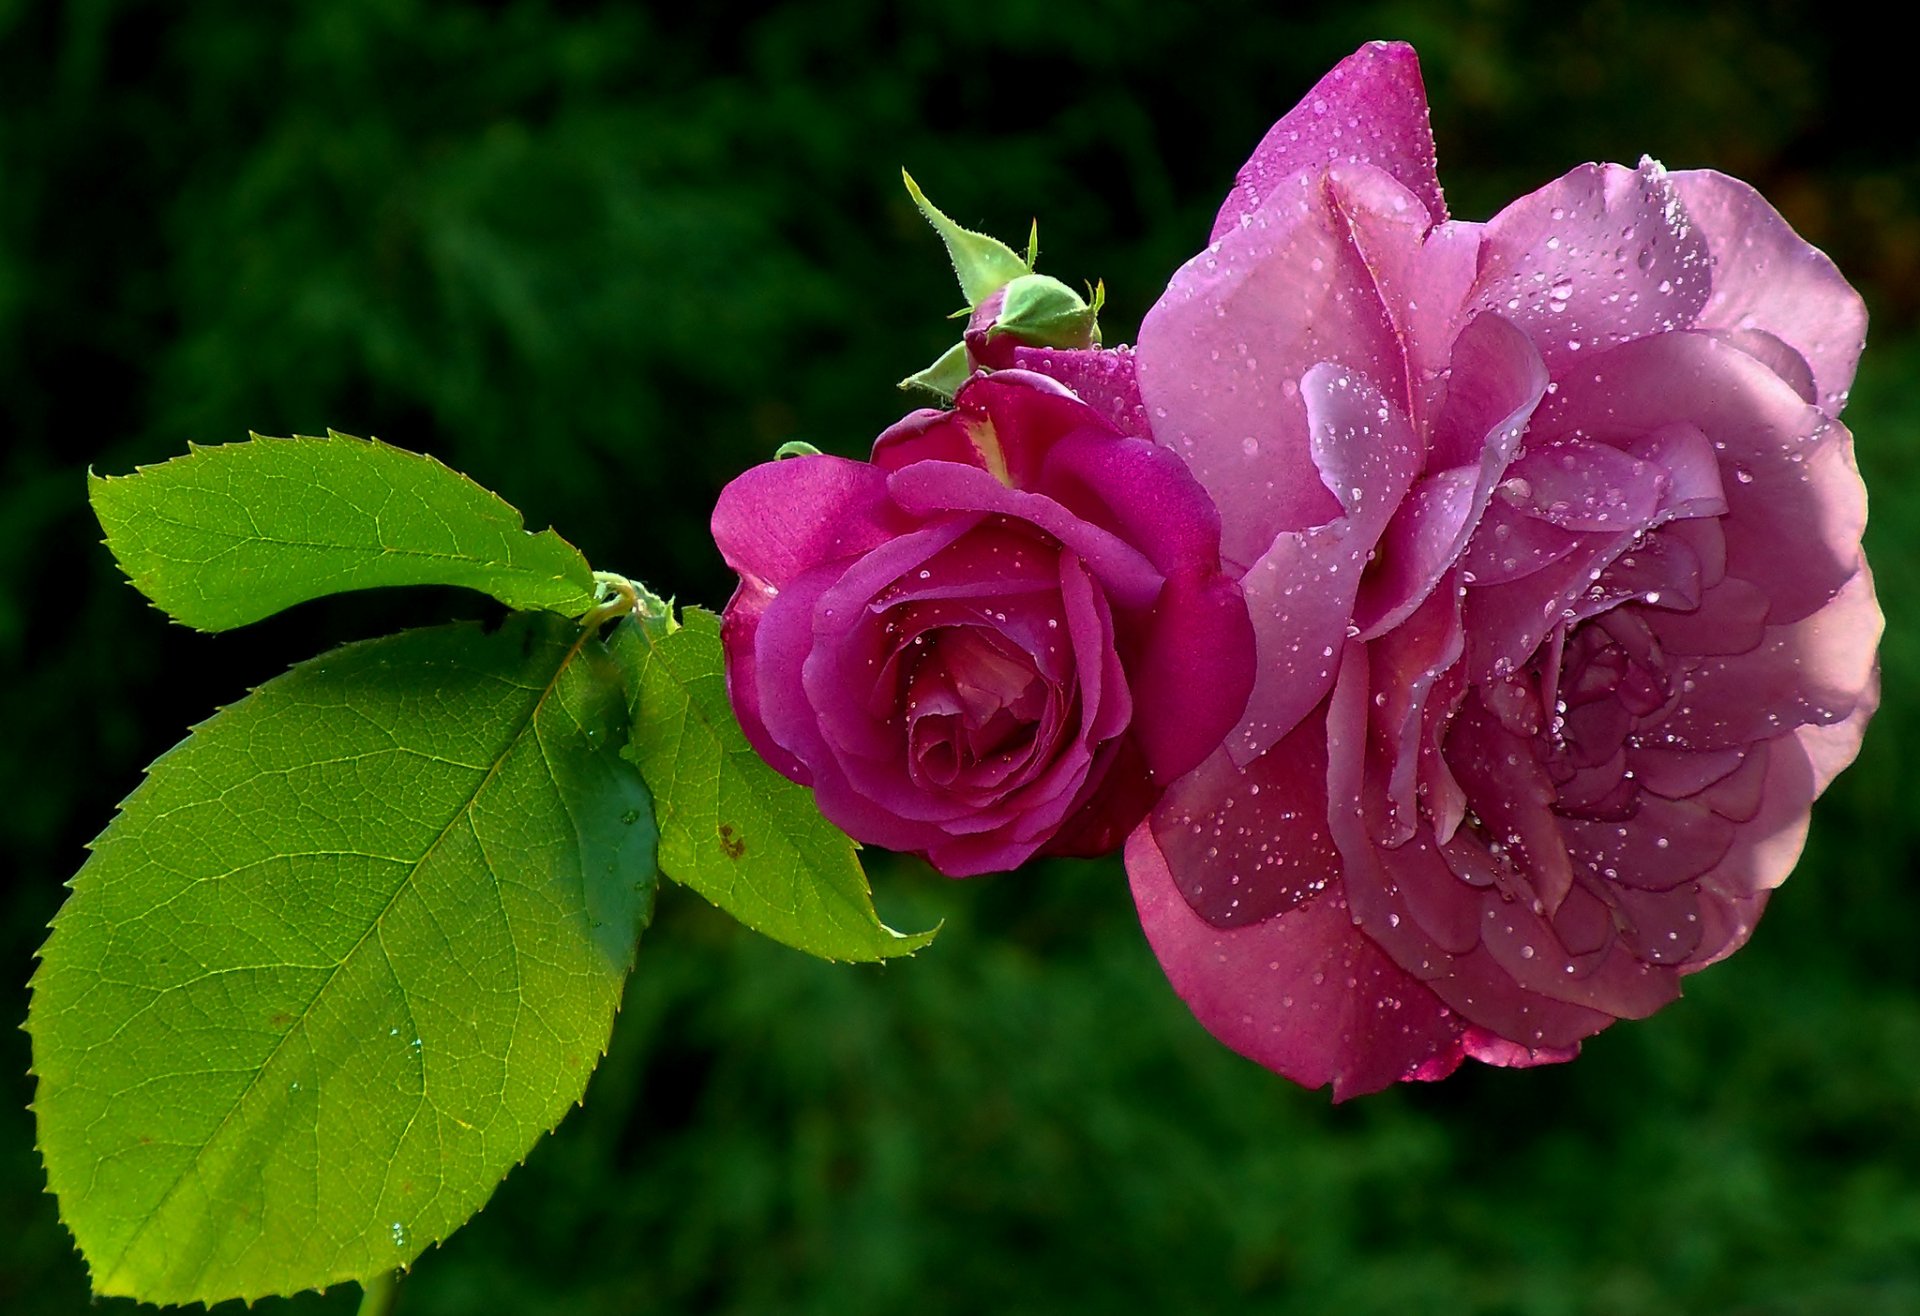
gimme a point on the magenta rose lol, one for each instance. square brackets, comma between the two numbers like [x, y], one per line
[1551, 540]
[1002, 635]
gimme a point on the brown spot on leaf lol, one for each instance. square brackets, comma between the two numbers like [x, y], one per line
[730, 841]
[281, 1020]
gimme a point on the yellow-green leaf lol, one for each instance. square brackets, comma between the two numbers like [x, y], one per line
[731, 827]
[227, 535]
[350, 949]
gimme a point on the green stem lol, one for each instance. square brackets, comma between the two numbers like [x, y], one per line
[377, 1294]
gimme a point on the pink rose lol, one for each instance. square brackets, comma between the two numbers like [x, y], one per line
[1551, 541]
[984, 642]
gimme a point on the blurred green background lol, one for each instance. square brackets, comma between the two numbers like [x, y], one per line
[602, 257]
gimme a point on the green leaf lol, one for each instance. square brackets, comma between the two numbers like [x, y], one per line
[731, 827]
[984, 265]
[341, 959]
[227, 535]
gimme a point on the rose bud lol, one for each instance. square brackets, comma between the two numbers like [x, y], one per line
[1009, 306]
[1551, 538]
[1032, 310]
[1002, 635]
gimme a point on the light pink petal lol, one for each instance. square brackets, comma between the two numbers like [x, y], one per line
[1371, 109]
[1763, 853]
[1665, 844]
[1766, 277]
[1421, 543]
[1796, 506]
[1244, 845]
[1599, 256]
[1521, 983]
[1496, 382]
[1422, 271]
[1405, 665]
[1731, 618]
[1813, 672]
[1224, 355]
[1305, 994]
[1677, 774]
[1300, 594]
[1508, 544]
[1585, 486]
[1775, 355]
[1831, 748]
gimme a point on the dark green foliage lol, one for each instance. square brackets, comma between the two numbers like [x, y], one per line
[602, 256]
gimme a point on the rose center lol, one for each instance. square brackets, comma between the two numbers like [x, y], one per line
[974, 702]
[1609, 677]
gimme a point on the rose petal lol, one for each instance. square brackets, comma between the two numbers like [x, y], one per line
[1300, 593]
[1421, 271]
[1198, 625]
[1498, 379]
[1775, 355]
[1305, 994]
[1599, 256]
[1140, 492]
[933, 488]
[1795, 505]
[1767, 277]
[1103, 378]
[1812, 672]
[778, 519]
[1003, 423]
[1224, 353]
[1371, 109]
[1244, 845]
[739, 627]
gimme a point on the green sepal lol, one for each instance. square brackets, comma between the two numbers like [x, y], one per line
[944, 377]
[984, 265]
[795, 448]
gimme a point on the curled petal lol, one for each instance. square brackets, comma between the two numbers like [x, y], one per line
[1225, 352]
[1602, 255]
[1796, 508]
[933, 488]
[781, 518]
[1766, 277]
[1300, 593]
